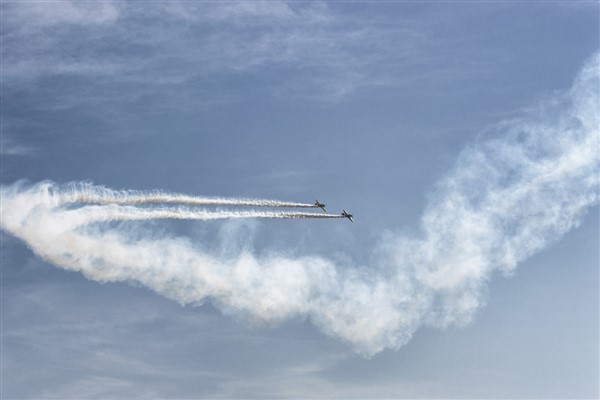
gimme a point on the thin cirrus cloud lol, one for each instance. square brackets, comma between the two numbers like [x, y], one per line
[172, 43]
[509, 195]
[11, 147]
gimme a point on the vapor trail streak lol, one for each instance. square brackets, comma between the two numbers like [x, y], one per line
[87, 193]
[128, 213]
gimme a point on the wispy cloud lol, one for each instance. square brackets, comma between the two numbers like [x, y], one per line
[334, 53]
[11, 147]
[38, 15]
[107, 60]
[47, 38]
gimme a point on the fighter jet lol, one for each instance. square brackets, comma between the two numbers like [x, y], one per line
[346, 215]
[320, 205]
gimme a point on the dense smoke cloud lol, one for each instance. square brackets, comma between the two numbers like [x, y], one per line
[517, 190]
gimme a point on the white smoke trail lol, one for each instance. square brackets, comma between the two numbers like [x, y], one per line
[509, 195]
[111, 212]
[88, 193]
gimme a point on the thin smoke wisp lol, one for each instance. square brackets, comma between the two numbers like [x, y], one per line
[87, 193]
[518, 189]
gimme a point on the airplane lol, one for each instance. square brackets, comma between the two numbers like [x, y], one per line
[346, 215]
[320, 205]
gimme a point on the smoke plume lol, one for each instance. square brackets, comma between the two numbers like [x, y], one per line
[88, 193]
[518, 189]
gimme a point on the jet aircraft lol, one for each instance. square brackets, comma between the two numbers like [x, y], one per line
[320, 205]
[346, 215]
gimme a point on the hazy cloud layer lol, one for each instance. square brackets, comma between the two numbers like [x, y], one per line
[330, 53]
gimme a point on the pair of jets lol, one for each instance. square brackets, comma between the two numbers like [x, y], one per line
[343, 214]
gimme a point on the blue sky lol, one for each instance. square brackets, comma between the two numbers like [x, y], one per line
[462, 135]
